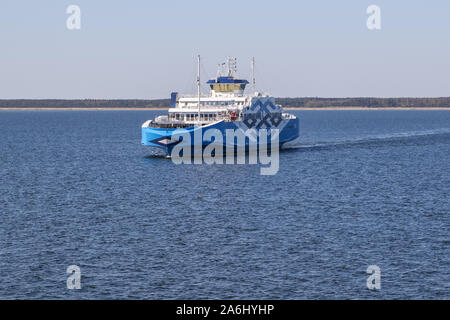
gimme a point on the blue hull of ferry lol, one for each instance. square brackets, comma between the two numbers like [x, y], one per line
[161, 137]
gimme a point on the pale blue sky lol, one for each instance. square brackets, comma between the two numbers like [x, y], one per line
[146, 49]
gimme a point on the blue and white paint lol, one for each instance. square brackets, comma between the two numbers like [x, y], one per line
[225, 108]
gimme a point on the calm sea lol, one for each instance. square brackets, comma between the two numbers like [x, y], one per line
[358, 188]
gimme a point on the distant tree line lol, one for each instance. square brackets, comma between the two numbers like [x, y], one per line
[364, 102]
[86, 103]
[287, 102]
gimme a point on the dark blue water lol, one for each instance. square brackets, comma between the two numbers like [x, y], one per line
[359, 188]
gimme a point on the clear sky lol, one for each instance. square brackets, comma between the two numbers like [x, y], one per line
[146, 49]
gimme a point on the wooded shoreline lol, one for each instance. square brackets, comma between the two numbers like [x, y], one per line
[288, 103]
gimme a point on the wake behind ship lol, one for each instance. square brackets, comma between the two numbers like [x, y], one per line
[225, 107]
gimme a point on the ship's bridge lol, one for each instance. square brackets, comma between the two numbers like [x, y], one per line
[227, 85]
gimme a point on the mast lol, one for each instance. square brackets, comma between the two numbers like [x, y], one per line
[232, 65]
[253, 75]
[198, 87]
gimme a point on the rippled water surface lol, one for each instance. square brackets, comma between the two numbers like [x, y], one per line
[358, 188]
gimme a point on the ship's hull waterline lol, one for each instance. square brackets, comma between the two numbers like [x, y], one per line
[163, 139]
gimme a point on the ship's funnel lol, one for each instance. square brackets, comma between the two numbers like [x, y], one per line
[173, 99]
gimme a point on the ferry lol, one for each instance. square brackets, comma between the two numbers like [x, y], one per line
[227, 106]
